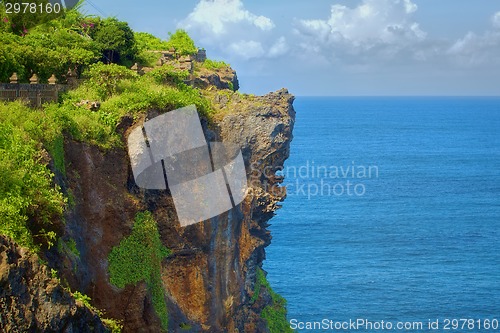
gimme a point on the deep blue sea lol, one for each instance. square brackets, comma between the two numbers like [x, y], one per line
[413, 234]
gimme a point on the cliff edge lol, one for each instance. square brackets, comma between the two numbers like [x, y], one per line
[210, 275]
[205, 277]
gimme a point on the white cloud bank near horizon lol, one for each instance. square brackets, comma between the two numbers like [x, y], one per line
[368, 36]
[381, 27]
[371, 32]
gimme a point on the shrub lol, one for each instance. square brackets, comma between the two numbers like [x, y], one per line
[105, 78]
[182, 43]
[114, 325]
[148, 42]
[275, 313]
[214, 65]
[29, 200]
[138, 258]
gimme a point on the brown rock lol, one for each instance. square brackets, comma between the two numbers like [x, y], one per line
[32, 301]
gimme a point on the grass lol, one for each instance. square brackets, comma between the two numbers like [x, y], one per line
[275, 313]
[114, 325]
[68, 247]
[214, 65]
[138, 258]
[30, 202]
[56, 151]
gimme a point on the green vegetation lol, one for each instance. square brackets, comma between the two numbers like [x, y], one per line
[76, 41]
[47, 49]
[84, 299]
[122, 92]
[138, 258]
[68, 246]
[116, 41]
[56, 150]
[182, 43]
[185, 327]
[260, 281]
[26, 19]
[275, 313]
[146, 42]
[114, 325]
[29, 201]
[214, 65]
[32, 141]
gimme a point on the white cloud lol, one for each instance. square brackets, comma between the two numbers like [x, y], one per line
[279, 48]
[227, 27]
[247, 49]
[474, 49]
[264, 23]
[217, 16]
[379, 27]
[496, 20]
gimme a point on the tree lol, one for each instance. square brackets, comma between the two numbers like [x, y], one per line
[182, 43]
[26, 15]
[148, 42]
[116, 41]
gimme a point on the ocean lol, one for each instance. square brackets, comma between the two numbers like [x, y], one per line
[393, 214]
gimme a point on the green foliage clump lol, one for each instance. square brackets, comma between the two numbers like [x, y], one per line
[25, 19]
[138, 258]
[275, 313]
[260, 281]
[103, 79]
[56, 150]
[68, 246]
[47, 49]
[214, 64]
[29, 200]
[166, 74]
[114, 325]
[146, 42]
[116, 40]
[84, 299]
[121, 92]
[182, 43]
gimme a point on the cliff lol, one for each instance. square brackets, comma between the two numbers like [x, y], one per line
[208, 280]
[31, 300]
[210, 274]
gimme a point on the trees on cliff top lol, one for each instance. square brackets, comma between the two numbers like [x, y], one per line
[76, 41]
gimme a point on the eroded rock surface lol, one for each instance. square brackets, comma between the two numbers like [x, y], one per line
[209, 277]
[32, 301]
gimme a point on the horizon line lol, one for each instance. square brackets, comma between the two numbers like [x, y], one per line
[403, 96]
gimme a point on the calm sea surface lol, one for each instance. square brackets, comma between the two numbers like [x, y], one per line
[393, 211]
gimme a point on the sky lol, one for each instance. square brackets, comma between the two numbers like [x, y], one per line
[336, 47]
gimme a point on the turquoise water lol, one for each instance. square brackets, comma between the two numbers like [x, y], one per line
[418, 238]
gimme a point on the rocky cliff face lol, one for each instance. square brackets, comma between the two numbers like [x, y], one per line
[209, 276]
[32, 301]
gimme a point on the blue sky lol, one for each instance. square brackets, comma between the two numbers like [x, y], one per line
[336, 47]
